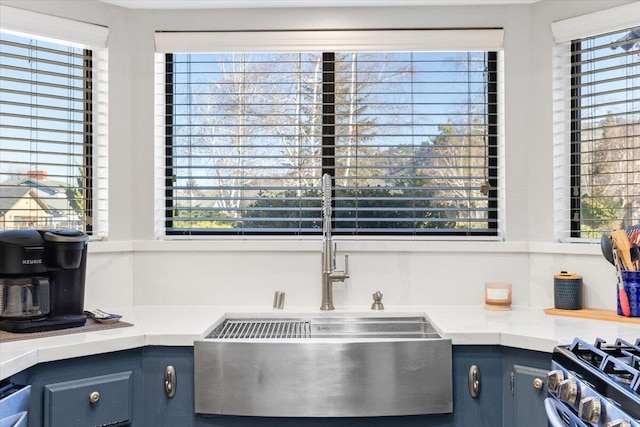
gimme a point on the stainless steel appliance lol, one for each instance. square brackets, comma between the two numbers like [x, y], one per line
[594, 385]
[42, 277]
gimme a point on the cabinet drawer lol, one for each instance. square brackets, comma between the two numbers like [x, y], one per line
[95, 401]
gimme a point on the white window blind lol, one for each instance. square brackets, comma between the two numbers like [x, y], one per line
[53, 166]
[409, 137]
[597, 129]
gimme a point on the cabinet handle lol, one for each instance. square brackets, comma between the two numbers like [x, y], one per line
[170, 380]
[94, 397]
[474, 381]
[538, 383]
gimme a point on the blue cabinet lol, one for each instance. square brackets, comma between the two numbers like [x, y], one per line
[61, 390]
[484, 411]
[92, 401]
[138, 376]
[160, 410]
[525, 388]
[529, 390]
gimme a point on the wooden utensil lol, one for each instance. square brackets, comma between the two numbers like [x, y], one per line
[623, 247]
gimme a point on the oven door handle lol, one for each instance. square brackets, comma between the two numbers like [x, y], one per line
[552, 413]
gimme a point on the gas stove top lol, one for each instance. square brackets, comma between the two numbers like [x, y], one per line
[619, 361]
[596, 384]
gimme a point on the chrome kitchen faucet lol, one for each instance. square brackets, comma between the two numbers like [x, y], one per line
[329, 272]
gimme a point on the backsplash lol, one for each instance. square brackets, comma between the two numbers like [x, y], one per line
[231, 278]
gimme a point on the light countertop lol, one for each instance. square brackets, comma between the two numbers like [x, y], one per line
[521, 327]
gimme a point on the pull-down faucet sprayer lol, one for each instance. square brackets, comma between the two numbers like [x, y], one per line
[329, 272]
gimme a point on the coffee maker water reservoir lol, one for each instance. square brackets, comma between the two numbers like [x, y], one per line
[42, 278]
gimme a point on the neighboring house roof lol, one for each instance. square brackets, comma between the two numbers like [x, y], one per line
[9, 196]
[50, 195]
[56, 203]
[28, 182]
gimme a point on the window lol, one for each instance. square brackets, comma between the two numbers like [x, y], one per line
[605, 135]
[410, 139]
[49, 98]
[598, 127]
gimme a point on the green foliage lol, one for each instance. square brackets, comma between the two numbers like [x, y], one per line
[76, 200]
[200, 224]
[362, 208]
[375, 208]
[75, 195]
[289, 209]
[594, 208]
[199, 218]
[598, 214]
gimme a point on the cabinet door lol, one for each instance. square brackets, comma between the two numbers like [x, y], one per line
[82, 369]
[94, 401]
[160, 410]
[486, 409]
[529, 391]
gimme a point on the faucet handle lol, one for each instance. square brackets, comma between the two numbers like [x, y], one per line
[377, 301]
[343, 274]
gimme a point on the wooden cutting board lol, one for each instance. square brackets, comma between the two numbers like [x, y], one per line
[593, 313]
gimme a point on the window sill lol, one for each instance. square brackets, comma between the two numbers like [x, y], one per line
[368, 246]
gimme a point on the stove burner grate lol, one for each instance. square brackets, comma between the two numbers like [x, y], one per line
[620, 361]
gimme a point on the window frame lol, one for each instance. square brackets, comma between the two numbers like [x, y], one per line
[92, 39]
[567, 34]
[38, 77]
[576, 140]
[166, 43]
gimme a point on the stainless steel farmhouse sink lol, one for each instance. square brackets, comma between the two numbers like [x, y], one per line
[323, 366]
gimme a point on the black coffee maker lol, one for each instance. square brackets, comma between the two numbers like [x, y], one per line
[42, 275]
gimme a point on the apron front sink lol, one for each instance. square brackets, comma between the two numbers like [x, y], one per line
[323, 366]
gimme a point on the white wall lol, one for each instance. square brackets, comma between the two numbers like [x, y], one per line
[133, 268]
